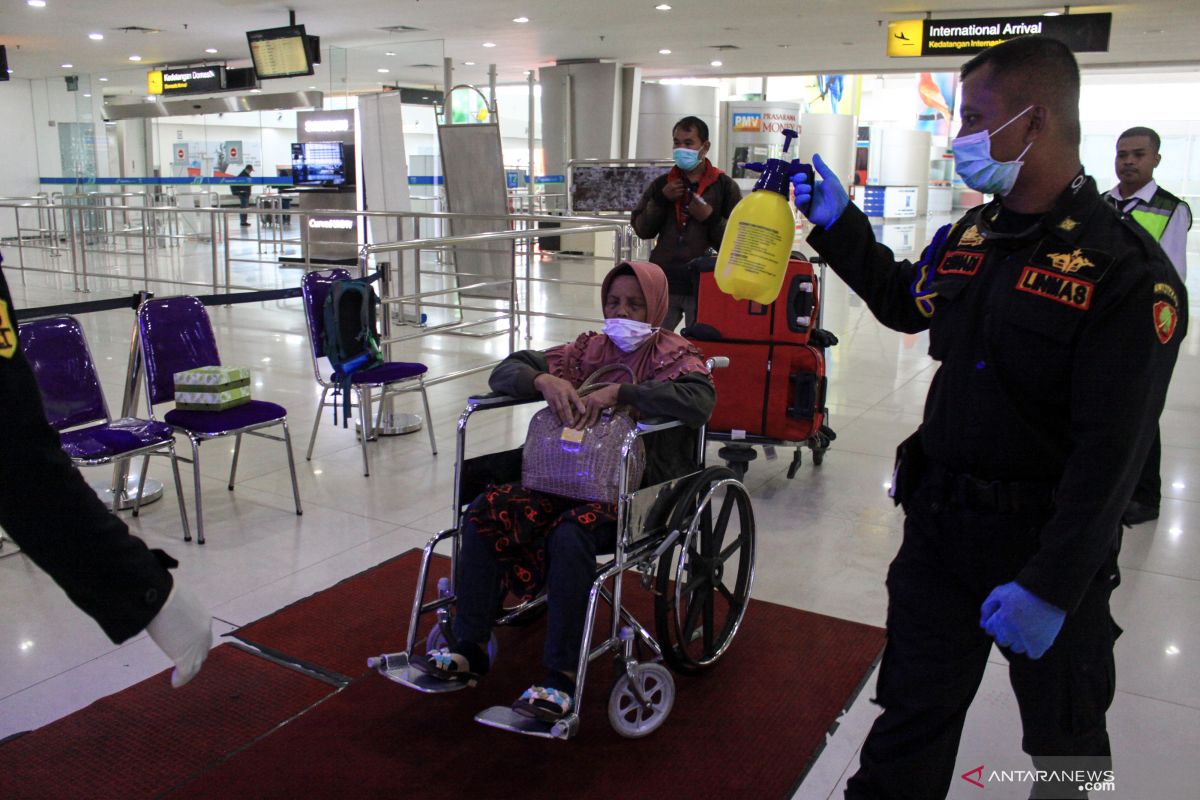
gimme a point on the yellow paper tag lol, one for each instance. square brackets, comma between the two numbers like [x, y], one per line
[8, 335]
[572, 435]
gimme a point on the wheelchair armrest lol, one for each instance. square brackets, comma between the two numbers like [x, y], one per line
[655, 424]
[494, 400]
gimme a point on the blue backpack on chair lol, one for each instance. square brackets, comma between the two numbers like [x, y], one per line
[350, 337]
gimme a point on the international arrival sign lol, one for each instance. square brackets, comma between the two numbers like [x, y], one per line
[1083, 33]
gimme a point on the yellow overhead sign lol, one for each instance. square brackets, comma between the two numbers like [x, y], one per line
[154, 82]
[906, 37]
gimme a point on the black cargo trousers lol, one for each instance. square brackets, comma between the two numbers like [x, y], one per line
[963, 538]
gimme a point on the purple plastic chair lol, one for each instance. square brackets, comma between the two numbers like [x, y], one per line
[390, 378]
[74, 403]
[176, 335]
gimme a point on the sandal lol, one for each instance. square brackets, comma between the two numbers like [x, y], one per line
[544, 703]
[448, 666]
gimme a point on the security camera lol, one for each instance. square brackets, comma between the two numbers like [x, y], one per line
[72, 83]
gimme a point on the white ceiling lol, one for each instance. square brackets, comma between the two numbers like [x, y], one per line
[772, 36]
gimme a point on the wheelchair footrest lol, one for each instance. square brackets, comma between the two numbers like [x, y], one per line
[505, 718]
[396, 667]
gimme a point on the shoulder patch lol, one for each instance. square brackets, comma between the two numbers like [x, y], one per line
[1087, 263]
[971, 237]
[1166, 291]
[1166, 317]
[8, 334]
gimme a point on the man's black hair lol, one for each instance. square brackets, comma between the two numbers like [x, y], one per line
[1037, 68]
[1143, 131]
[693, 123]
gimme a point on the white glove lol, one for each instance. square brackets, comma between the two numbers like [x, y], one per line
[183, 630]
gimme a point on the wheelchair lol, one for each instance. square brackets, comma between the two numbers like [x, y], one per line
[690, 541]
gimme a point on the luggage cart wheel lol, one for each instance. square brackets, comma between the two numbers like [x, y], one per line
[797, 460]
[737, 457]
[641, 699]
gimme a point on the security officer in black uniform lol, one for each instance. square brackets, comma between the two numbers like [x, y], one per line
[1056, 325]
[48, 509]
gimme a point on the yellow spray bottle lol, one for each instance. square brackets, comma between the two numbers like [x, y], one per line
[760, 231]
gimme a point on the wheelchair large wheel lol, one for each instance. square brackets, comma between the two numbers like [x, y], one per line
[704, 579]
[628, 716]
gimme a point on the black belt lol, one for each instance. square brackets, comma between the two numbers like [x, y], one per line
[1004, 497]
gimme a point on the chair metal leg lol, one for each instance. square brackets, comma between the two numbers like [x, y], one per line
[312, 439]
[364, 424]
[237, 451]
[196, 479]
[428, 418]
[137, 500]
[179, 493]
[287, 443]
[382, 405]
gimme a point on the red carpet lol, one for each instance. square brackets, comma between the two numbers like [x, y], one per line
[747, 727]
[140, 742]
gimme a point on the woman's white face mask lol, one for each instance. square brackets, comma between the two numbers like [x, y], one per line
[627, 334]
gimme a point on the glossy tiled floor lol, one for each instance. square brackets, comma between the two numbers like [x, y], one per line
[826, 537]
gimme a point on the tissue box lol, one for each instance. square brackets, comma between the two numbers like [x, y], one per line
[212, 388]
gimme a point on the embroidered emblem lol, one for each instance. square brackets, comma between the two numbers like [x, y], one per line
[972, 237]
[1070, 263]
[960, 262]
[1068, 224]
[1166, 291]
[1075, 293]
[8, 336]
[1089, 261]
[1165, 320]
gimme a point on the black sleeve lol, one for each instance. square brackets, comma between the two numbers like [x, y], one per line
[651, 211]
[731, 195]
[514, 375]
[689, 398]
[59, 522]
[872, 271]
[1119, 378]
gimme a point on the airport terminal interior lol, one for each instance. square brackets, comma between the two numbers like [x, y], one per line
[86, 214]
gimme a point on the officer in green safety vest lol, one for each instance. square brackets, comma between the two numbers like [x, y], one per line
[1162, 214]
[1166, 218]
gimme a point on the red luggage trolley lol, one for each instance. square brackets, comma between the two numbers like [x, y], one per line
[773, 392]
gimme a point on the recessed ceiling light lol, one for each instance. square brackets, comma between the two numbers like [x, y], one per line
[312, 87]
[489, 44]
[662, 7]
[210, 49]
[1051, 13]
[383, 70]
[10, 72]
[36, 3]
[469, 63]
[664, 52]
[87, 95]
[520, 20]
[389, 53]
[135, 58]
[67, 66]
[95, 37]
[715, 63]
[102, 80]
[256, 91]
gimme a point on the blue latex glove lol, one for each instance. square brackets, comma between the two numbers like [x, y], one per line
[1018, 619]
[824, 202]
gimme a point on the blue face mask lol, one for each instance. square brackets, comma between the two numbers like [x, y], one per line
[687, 160]
[975, 165]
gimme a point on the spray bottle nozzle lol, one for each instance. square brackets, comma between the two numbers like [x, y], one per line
[788, 135]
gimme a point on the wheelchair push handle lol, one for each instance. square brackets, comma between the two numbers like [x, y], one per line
[718, 362]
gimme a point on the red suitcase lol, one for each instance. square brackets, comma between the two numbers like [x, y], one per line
[790, 318]
[773, 390]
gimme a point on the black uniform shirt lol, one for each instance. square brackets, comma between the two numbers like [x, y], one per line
[56, 518]
[1056, 336]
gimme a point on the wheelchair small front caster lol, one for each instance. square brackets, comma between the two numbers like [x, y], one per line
[641, 699]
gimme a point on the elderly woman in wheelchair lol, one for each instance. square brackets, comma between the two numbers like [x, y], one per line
[523, 541]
